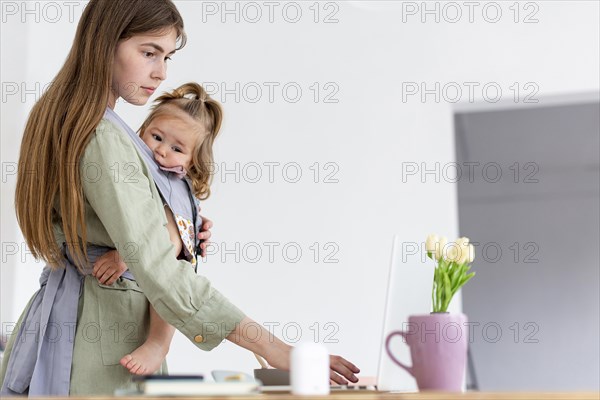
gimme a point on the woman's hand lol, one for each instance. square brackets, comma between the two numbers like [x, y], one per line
[109, 267]
[277, 353]
[204, 235]
[340, 368]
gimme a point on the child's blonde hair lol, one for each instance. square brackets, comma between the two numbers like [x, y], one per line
[192, 99]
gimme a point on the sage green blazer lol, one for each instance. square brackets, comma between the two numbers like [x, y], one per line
[123, 210]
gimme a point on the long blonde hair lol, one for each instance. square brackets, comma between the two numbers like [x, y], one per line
[62, 122]
[192, 99]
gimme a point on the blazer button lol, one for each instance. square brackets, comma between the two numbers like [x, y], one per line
[198, 338]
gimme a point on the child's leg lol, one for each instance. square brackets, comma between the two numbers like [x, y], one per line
[148, 358]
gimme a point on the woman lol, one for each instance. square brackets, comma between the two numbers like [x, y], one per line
[83, 188]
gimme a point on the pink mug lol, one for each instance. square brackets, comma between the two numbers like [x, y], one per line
[438, 349]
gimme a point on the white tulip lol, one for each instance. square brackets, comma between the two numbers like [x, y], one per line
[439, 249]
[452, 252]
[463, 241]
[471, 253]
[431, 242]
[463, 255]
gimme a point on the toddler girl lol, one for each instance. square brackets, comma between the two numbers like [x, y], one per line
[180, 132]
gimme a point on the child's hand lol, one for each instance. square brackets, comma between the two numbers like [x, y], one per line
[109, 267]
[204, 235]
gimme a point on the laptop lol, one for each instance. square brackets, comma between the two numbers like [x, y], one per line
[389, 377]
[402, 298]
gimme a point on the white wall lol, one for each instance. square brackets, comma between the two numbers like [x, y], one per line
[369, 133]
[12, 118]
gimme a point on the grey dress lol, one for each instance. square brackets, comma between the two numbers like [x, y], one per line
[124, 210]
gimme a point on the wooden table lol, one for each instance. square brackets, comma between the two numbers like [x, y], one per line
[396, 396]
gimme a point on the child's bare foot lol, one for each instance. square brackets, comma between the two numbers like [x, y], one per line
[146, 359]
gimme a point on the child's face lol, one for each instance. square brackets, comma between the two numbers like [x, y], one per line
[173, 138]
[140, 65]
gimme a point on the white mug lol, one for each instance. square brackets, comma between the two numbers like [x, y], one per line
[309, 372]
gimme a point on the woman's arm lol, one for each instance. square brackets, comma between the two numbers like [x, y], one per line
[116, 184]
[110, 266]
[254, 337]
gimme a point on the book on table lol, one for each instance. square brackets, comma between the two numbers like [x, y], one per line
[190, 385]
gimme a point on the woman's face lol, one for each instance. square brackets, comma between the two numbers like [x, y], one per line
[140, 66]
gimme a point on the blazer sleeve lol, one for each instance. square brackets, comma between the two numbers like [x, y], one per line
[118, 187]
